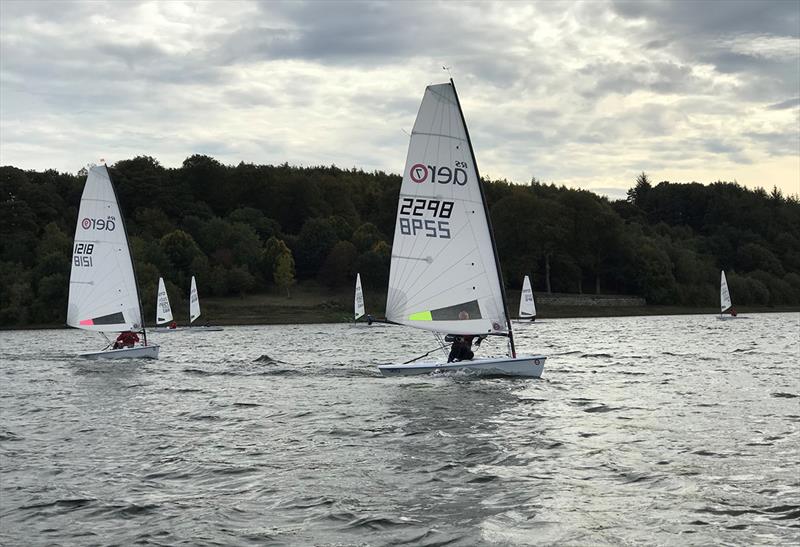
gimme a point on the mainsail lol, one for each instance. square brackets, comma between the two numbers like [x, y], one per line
[194, 302]
[163, 309]
[527, 308]
[102, 283]
[444, 273]
[724, 294]
[359, 299]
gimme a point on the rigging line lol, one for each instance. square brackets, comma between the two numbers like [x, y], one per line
[423, 355]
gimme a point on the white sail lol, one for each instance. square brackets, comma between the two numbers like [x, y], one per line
[163, 309]
[724, 294]
[194, 302]
[527, 308]
[359, 299]
[102, 286]
[443, 275]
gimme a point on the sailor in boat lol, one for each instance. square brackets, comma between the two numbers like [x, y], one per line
[461, 350]
[173, 325]
[126, 339]
[733, 312]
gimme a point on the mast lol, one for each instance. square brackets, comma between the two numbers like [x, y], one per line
[489, 222]
[133, 263]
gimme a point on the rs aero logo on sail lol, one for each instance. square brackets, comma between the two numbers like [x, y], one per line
[420, 173]
[109, 224]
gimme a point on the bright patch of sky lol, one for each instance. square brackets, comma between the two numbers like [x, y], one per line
[586, 94]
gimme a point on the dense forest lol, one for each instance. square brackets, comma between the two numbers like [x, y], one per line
[253, 228]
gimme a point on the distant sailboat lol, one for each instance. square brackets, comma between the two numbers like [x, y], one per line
[445, 274]
[194, 310]
[358, 303]
[103, 293]
[163, 309]
[527, 307]
[725, 303]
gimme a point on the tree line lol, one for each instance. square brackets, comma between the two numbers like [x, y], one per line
[253, 228]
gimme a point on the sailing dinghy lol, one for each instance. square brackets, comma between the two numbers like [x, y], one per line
[103, 293]
[194, 311]
[445, 274]
[163, 309]
[358, 301]
[527, 307]
[725, 303]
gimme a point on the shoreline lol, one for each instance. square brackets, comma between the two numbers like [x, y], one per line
[304, 316]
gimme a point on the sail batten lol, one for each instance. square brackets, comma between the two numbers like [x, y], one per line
[443, 254]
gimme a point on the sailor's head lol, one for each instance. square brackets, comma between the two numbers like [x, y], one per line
[463, 314]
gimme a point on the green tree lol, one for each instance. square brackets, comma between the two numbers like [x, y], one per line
[315, 241]
[339, 266]
[284, 272]
[180, 249]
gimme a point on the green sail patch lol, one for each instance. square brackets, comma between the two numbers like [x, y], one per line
[420, 316]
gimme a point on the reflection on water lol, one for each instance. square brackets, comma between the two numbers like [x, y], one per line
[642, 431]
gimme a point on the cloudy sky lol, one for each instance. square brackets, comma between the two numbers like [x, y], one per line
[586, 94]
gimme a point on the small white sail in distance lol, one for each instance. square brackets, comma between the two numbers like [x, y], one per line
[194, 302]
[163, 309]
[724, 293]
[102, 287]
[527, 307]
[443, 275]
[359, 299]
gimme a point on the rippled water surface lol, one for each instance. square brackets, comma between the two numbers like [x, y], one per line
[651, 430]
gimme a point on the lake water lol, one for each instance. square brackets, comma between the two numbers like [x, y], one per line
[642, 431]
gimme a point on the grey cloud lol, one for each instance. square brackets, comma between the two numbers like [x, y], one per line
[716, 17]
[626, 78]
[707, 31]
[778, 143]
[783, 105]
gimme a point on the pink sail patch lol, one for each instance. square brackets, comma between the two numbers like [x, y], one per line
[87, 322]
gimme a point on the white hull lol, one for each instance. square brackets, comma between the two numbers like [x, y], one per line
[204, 329]
[166, 329]
[138, 352]
[728, 317]
[528, 366]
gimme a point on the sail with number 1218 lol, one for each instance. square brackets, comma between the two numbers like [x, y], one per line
[445, 274]
[103, 294]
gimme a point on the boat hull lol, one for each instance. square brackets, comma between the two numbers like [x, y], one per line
[138, 352]
[165, 329]
[527, 366]
[204, 329]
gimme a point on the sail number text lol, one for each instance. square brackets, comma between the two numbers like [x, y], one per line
[412, 209]
[83, 254]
